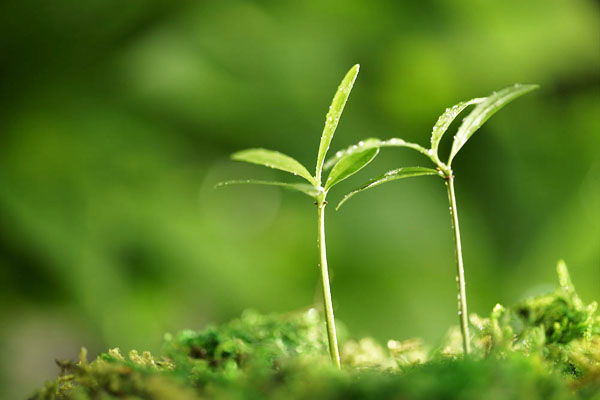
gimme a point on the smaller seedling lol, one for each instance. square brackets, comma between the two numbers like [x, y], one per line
[343, 168]
[484, 109]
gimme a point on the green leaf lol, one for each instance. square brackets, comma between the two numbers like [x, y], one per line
[483, 111]
[397, 142]
[374, 143]
[333, 117]
[389, 176]
[446, 119]
[273, 159]
[305, 188]
[363, 145]
[350, 165]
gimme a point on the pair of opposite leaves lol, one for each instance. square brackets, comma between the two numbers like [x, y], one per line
[347, 162]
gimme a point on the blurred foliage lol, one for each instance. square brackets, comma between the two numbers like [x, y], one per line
[118, 118]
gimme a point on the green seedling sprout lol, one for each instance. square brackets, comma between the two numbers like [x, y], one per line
[484, 109]
[343, 167]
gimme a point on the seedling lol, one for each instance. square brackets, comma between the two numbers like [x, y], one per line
[484, 109]
[343, 167]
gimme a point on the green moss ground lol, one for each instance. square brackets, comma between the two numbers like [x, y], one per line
[547, 347]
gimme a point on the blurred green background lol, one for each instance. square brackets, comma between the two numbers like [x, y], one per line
[117, 118]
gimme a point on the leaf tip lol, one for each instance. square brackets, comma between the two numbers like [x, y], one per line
[347, 197]
[353, 72]
[237, 155]
[532, 85]
[338, 205]
[527, 87]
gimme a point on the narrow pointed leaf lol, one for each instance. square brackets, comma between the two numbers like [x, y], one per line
[333, 116]
[483, 111]
[350, 165]
[389, 176]
[363, 145]
[446, 119]
[373, 143]
[273, 159]
[305, 188]
[397, 142]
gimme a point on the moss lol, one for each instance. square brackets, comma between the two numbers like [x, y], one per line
[558, 327]
[562, 315]
[113, 376]
[547, 347]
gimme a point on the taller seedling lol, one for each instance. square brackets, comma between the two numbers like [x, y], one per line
[343, 167]
[484, 109]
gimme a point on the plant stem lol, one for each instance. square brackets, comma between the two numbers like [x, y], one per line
[328, 306]
[460, 272]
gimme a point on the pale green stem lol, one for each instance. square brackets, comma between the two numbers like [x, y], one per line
[328, 306]
[460, 272]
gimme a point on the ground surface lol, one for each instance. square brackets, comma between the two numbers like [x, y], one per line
[546, 347]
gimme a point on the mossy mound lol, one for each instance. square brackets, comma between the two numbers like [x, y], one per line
[546, 347]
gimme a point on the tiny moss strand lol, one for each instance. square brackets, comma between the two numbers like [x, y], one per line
[460, 271]
[327, 303]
